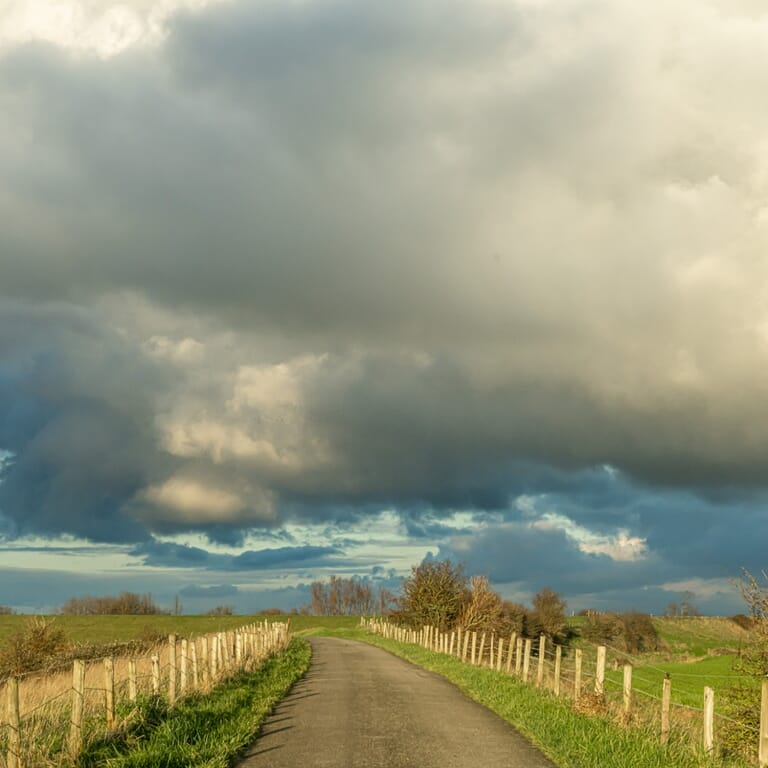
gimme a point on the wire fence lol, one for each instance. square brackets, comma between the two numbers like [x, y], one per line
[50, 718]
[602, 681]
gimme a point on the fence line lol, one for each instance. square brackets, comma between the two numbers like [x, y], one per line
[49, 718]
[582, 679]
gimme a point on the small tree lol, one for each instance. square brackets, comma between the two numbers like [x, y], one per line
[741, 702]
[483, 609]
[221, 610]
[548, 615]
[433, 594]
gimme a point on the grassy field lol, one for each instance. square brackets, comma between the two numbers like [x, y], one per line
[98, 630]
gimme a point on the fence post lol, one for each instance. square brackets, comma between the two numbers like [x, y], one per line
[499, 654]
[511, 648]
[480, 652]
[474, 646]
[666, 701]
[195, 676]
[577, 661]
[627, 688]
[763, 750]
[600, 671]
[558, 667]
[214, 658]
[527, 659]
[542, 652]
[492, 656]
[171, 669]
[131, 679]
[78, 693]
[14, 724]
[204, 662]
[453, 640]
[709, 720]
[109, 691]
[184, 665]
[518, 655]
[155, 674]
[465, 647]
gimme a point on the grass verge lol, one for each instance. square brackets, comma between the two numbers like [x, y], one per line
[204, 729]
[569, 738]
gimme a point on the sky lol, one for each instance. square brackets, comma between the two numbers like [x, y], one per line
[293, 288]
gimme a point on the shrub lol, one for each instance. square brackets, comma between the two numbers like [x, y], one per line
[433, 594]
[630, 632]
[222, 610]
[483, 609]
[34, 647]
[548, 616]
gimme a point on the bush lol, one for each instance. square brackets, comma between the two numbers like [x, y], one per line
[221, 610]
[34, 647]
[483, 609]
[630, 632]
[126, 603]
[433, 594]
[548, 616]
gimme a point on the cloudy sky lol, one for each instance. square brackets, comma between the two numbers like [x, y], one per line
[299, 287]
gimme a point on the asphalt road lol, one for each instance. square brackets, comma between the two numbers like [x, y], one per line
[361, 707]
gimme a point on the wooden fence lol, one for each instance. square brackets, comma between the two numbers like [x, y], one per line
[50, 717]
[585, 678]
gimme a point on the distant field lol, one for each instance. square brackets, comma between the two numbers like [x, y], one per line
[108, 629]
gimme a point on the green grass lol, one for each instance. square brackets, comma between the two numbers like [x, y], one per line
[204, 729]
[688, 678]
[570, 739]
[103, 630]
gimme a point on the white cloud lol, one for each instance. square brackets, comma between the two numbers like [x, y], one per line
[105, 28]
[193, 502]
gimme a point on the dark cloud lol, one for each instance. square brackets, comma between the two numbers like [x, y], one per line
[313, 261]
[170, 555]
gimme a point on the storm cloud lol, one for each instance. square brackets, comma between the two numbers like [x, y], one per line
[308, 262]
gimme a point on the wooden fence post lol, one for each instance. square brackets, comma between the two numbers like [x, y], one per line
[474, 645]
[763, 749]
[709, 720]
[542, 653]
[465, 647]
[155, 674]
[204, 662]
[132, 692]
[493, 642]
[577, 662]
[109, 691]
[480, 652]
[14, 724]
[558, 667]
[518, 655]
[527, 659]
[666, 701]
[195, 675]
[78, 695]
[500, 654]
[450, 647]
[184, 665]
[214, 658]
[171, 669]
[600, 671]
[627, 688]
[510, 650]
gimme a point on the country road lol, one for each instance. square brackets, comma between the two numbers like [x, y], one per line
[361, 707]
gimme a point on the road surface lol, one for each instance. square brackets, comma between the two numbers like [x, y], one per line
[361, 707]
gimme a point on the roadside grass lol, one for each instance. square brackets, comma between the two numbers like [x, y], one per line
[203, 729]
[569, 738]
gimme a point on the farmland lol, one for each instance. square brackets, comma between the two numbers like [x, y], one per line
[694, 653]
